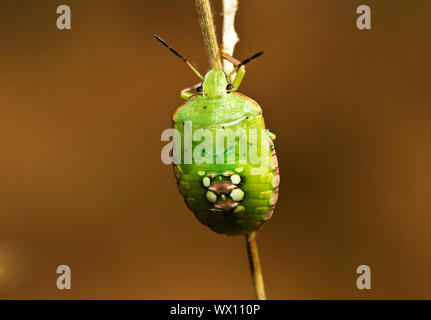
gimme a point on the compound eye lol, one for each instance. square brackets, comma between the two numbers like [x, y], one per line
[200, 89]
[229, 87]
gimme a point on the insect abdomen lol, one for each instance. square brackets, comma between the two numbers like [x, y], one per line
[229, 199]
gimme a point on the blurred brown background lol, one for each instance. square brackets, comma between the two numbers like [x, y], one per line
[82, 183]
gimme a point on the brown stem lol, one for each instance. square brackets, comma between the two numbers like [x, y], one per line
[208, 31]
[256, 271]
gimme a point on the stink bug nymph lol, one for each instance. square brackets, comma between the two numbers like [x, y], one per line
[227, 197]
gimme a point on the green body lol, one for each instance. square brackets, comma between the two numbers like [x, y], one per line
[244, 201]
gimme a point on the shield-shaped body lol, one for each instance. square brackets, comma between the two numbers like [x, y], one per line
[232, 191]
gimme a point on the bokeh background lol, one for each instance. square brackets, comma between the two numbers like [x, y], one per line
[82, 182]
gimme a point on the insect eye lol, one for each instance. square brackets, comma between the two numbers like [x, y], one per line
[200, 89]
[229, 87]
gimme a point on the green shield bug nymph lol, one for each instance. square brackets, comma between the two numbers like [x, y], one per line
[233, 197]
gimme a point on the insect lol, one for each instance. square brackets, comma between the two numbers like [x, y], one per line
[226, 196]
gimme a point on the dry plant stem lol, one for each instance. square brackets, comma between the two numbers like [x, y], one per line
[208, 31]
[230, 37]
[256, 271]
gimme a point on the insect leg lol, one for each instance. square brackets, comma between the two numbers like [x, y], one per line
[186, 93]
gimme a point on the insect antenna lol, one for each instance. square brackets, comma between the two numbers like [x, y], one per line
[251, 58]
[245, 62]
[179, 55]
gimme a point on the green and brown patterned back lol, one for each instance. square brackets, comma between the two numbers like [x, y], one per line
[228, 198]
